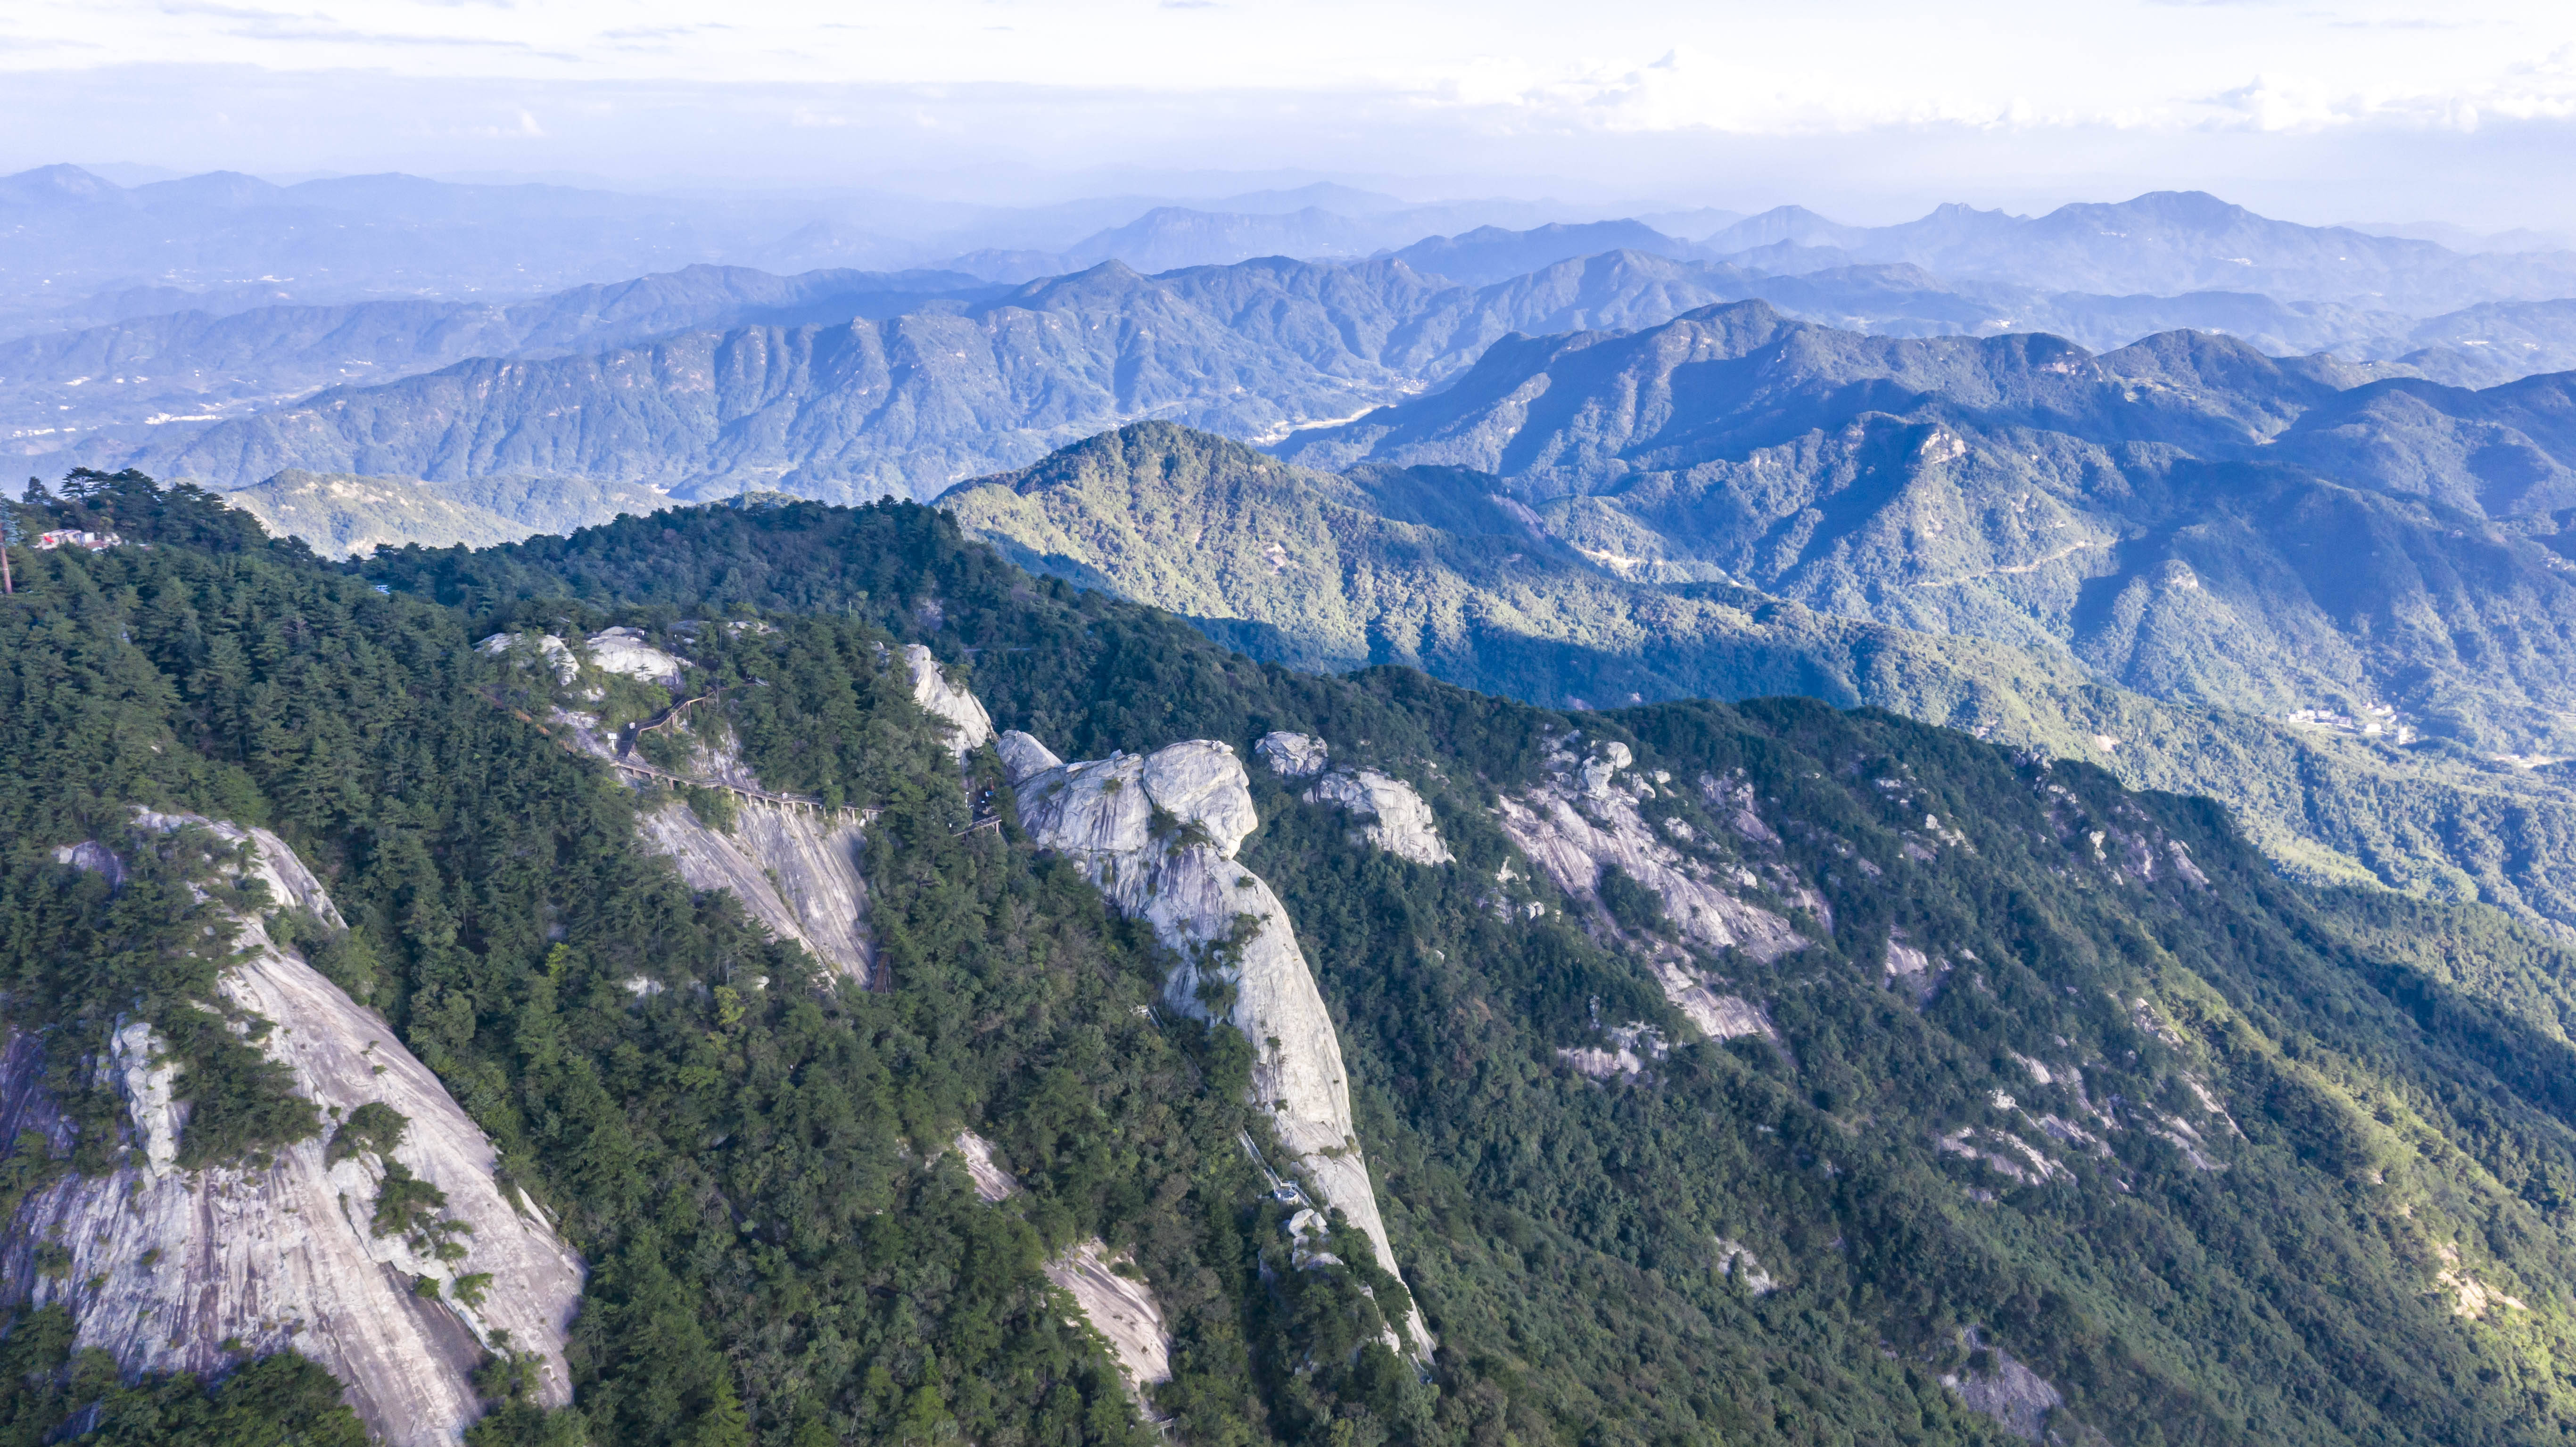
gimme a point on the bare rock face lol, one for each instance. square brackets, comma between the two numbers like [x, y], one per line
[1119, 1305]
[795, 869]
[1232, 934]
[623, 650]
[1095, 807]
[1719, 1016]
[544, 649]
[1401, 824]
[1201, 783]
[1573, 844]
[2019, 1399]
[1023, 756]
[166, 1266]
[1918, 974]
[1586, 820]
[94, 857]
[1121, 1308]
[1293, 756]
[972, 727]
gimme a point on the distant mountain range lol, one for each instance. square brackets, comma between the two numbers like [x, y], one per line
[855, 384]
[78, 250]
[1444, 568]
[196, 366]
[2191, 518]
[2165, 242]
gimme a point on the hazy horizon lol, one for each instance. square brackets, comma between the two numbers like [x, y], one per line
[1869, 113]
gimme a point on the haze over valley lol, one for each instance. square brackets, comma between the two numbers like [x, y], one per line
[1122, 725]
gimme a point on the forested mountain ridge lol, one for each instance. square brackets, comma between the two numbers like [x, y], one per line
[197, 365]
[1441, 568]
[338, 513]
[2191, 518]
[1290, 335]
[2038, 1106]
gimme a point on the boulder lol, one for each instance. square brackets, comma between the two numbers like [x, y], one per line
[1293, 756]
[624, 651]
[1402, 823]
[1095, 807]
[1023, 757]
[970, 726]
[1201, 782]
[546, 649]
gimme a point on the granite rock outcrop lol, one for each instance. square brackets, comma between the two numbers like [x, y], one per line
[1584, 821]
[970, 726]
[795, 867]
[1158, 834]
[1399, 821]
[172, 1270]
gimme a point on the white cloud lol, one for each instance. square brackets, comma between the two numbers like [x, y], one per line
[2004, 101]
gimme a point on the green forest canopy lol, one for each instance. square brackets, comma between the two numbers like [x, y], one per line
[776, 1258]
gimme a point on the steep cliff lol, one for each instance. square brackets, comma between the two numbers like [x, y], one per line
[793, 865]
[1399, 821]
[1103, 1283]
[172, 1270]
[969, 726]
[1158, 834]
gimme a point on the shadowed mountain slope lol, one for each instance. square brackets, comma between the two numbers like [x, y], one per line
[1444, 569]
[2191, 518]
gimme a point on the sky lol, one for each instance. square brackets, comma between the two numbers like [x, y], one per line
[1872, 111]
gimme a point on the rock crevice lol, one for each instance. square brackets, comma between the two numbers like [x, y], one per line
[165, 1266]
[1158, 834]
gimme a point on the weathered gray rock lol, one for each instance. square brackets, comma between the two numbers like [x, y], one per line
[623, 650]
[1023, 756]
[1910, 969]
[1737, 1261]
[2019, 1399]
[166, 1265]
[290, 884]
[1232, 935]
[544, 650]
[1293, 756]
[1718, 1015]
[1602, 767]
[94, 857]
[795, 869]
[1572, 845]
[1401, 824]
[1093, 808]
[971, 727]
[1120, 1307]
[1585, 821]
[1201, 783]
